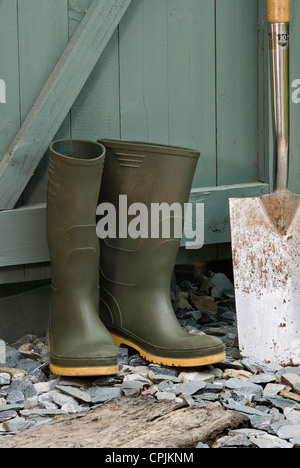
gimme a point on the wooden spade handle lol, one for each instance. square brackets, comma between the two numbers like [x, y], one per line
[279, 11]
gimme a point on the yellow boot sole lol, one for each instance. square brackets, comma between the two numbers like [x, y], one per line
[170, 362]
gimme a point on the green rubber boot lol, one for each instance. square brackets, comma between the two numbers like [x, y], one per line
[135, 302]
[79, 343]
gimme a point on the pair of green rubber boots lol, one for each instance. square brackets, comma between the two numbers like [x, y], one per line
[134, 273]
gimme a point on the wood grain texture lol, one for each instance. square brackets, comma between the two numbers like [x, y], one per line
[133, 422]
[279, 11]
[167, 77]
[23, 236]
[237, 91]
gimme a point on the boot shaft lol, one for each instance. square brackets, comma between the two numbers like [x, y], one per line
[75, 172]
[151, 175]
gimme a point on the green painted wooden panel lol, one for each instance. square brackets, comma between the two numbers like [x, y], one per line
[49, 22]
[183, 72]
[40, 45]
[167, 77]
[237, 91]
[9, 72]
[95, 113]
[57, 97]
[23, 238]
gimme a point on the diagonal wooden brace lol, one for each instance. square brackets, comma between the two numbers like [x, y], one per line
[56, 99]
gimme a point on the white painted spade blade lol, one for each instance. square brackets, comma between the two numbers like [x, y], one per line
[266, 264]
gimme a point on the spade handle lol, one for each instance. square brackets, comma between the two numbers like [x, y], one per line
[279, 11]
[279, 23]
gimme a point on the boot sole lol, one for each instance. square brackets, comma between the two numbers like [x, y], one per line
[83, 371]
[170, 362]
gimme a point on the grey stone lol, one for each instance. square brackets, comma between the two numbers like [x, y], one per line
[275, 426]
[243, 409]
[108, 380]
[2, 352]
[17, 424]
[235, 384]
[192, 376]
[296, 442]
[75, 392]
[244, 395]
[157, 370]
[256, 365]
[292, 415]
[289, 432]
[207, 397]
[28, 365]
[297, 388]
[290, 379]
[132, 387]
[157, 378]
[137, 360]
[15, 397]
[216, 387]
[138, 377]
[230, 364]
[189, 388]
[282, 403]
[30, 391]
[45, 401]
[272, 390]
[72, 407]
[123, 356]
[238, 440]
[165, 396]
[288, 370]
[42, 387]
[247, 432]
[9, 407]
[60, 398]
[268, 441]
[102, 394]
[7, 415]
[200, 445]
[263, 378]
[261, 422]
[4, 379]
[42, 412]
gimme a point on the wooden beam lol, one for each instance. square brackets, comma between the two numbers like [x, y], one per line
[216, 208]
[23, 237]
[57, 97]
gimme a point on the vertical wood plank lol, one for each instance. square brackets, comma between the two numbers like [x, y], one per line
[237, 91]
[191, 81]
[9, 72]
[95, 113]
[144, 73]
[43, 36]
[167, 72]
